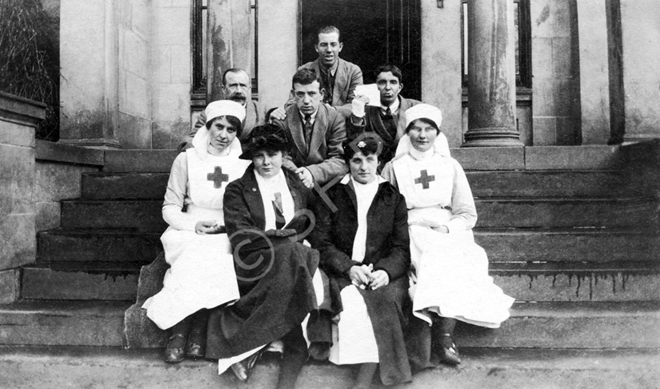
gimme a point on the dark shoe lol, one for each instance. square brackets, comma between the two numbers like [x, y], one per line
[194, 347]
[449, 351]
[240, 371]
[174, 351]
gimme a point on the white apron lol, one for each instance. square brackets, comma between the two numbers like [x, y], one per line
[201, 273]
[449, 271]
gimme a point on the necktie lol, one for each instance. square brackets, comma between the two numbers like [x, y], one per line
[308, 130]
[388, 121]
[277, 207]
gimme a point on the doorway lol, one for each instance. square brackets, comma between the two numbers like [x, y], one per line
[374, 32]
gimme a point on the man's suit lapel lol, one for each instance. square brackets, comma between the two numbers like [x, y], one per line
[297, 130]
[319, 130]
[401, 124]
[340, 79]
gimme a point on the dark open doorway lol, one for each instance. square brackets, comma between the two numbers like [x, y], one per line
[374, 32]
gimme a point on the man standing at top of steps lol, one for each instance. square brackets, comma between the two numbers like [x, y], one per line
[236, 86]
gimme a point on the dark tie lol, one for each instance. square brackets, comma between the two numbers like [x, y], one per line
[279, 215]
[308, 130]
[388, 121]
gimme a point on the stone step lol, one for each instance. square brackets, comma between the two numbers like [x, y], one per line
[97, 245]
[105, 367]
[574, 325]
[566, 245]
[576, 281]
[145, 215]
[579, 183]
[150, 161]
[141, 215]
[72, 323]
[80, 281]
[550, 183]
[566, 213]
[113, 186]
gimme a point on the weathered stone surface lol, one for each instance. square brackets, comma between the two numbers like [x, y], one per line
[139, 330]
[48, 215]
[16, 179]
[142, 215]
[20, 110]
[19, 242]
[573, 158]
[9, 286]
[76, 323]
[576, 282]
[58, 152]
[490, 158]
[566, 213]
[549, 184]
[591, 325]
[568, 245]
[97, 246]
[35, 367]
[15, 134]
[155, 161]
[65, 282]
[57, 181]
[113, 186]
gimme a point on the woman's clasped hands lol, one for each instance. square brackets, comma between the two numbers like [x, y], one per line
[364, 277]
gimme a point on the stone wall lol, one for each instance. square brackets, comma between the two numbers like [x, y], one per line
[640, 23]
[171, 51]
[18, 119]
[555, 65]
[134, 63]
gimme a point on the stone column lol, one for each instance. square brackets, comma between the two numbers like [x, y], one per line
[278, 49]
[89, 83]
[594, 75]
[18, 120]
[491, 75]
[229, 40]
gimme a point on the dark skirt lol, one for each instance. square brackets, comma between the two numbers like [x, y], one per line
[276, 295]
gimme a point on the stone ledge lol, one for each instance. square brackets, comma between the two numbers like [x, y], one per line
[55, 152]
[490, 158]
[18, 109]
[32, 367]
[572, 157]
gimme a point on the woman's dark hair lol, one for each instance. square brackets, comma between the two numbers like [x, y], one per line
[268, 137]
[425, 120]
[365, 143]
[232, 120]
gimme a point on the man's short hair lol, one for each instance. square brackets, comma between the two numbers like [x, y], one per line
[232, 70]
[305, 77]
[396, 72]
[328, 30]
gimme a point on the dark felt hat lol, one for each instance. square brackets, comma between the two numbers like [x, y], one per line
[267, 137]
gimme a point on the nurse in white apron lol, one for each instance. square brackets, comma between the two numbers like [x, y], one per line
[449, 278]
[201, 273]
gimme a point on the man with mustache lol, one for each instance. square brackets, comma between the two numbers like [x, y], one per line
[236, 86]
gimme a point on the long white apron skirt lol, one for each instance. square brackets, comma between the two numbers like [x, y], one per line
[451, 276]
[201, 273]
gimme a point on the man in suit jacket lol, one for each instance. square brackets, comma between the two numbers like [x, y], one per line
[338, 77]
[388, 120]
[236, 86]
[316, 132]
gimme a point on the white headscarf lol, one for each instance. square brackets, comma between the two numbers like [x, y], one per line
[428, 112]
[213, 110]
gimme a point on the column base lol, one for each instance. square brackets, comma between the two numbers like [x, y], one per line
[492, 137]
[93, 143]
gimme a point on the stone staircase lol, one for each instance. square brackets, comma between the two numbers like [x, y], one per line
[571, 232]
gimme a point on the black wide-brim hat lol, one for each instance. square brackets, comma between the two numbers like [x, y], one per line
[266, 137]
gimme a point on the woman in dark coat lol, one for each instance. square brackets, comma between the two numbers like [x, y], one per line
[266, 220]
[362, 235]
